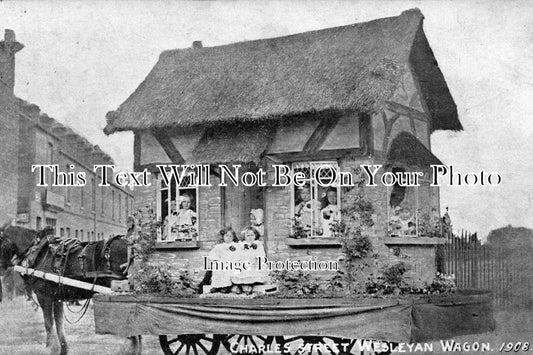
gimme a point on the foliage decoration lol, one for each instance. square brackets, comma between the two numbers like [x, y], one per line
[150, 279]
[389, 282]
[442, 284]
[296, 283]
[145, 233]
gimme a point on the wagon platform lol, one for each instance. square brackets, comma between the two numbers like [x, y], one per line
[204, 325]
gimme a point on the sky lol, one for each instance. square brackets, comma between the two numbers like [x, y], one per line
[83, 59]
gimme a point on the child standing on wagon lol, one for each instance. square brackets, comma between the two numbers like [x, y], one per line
[251, 250]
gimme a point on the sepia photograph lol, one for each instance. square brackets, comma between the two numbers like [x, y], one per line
[275, 177]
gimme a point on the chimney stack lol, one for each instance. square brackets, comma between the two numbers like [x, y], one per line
[197, 45]
[8, 47]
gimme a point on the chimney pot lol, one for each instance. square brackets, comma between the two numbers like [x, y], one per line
[9, 35]
[197, 44]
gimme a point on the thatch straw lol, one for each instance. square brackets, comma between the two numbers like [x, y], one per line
[236, 144]
[348, 68]
[407, 151]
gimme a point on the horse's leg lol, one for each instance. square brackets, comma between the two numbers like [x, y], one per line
[9, 282]
[47, 308]
[58, 316]
[131, 346]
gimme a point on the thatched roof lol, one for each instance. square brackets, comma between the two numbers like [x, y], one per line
[348, 68]
[236, 144]
[407, 151]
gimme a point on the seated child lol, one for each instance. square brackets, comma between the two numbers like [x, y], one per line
[226, 251]
[256, 221]
[401, 223]
[170, 230]
[407, 225]
[251, 250]
[307, 211]
[180, 224]
[330, 213]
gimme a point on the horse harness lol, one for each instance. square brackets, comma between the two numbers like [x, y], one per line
[93, 258]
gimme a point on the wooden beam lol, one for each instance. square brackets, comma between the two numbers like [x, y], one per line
[320, 155]
[152, 167]
[61, 280]
[406, 111]
[366, 137]
[321, 132]
[215, 170]
[168, 146]
[137, 151]
[388, 128]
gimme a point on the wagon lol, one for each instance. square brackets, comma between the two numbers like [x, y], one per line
[318, 325]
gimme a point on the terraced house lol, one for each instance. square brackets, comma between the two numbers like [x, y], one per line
[29, 136]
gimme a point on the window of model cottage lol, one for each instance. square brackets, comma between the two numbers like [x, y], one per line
[315, 208]
[412, 210]
[177, 208]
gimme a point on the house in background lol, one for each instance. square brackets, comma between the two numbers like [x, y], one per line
[8, 128]
[86, 212]
[367, 93]
[27, 137]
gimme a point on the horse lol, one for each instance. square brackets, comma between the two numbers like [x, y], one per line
[18, 242]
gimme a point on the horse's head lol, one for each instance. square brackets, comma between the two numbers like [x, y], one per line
[8, 249]
[14, 241]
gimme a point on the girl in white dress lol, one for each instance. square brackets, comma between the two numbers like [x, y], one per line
[251, 250]
[186, 219]
[224, 253]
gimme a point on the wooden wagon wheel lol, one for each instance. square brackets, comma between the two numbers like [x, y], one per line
[247, 344]
[190, 344]
[310, 345]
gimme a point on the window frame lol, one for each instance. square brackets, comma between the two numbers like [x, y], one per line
[315, 191]
[424, 182]
[159, 213]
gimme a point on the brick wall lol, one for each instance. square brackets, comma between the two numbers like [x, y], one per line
[209, 222]
[419, 258]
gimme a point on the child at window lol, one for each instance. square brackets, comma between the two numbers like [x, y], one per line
[330, 213]
[401, 223]
[256, 221]
[224, 252]
[407, 225]
[186, 219]
[306, 212]
[251, 250]
[170, 229]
